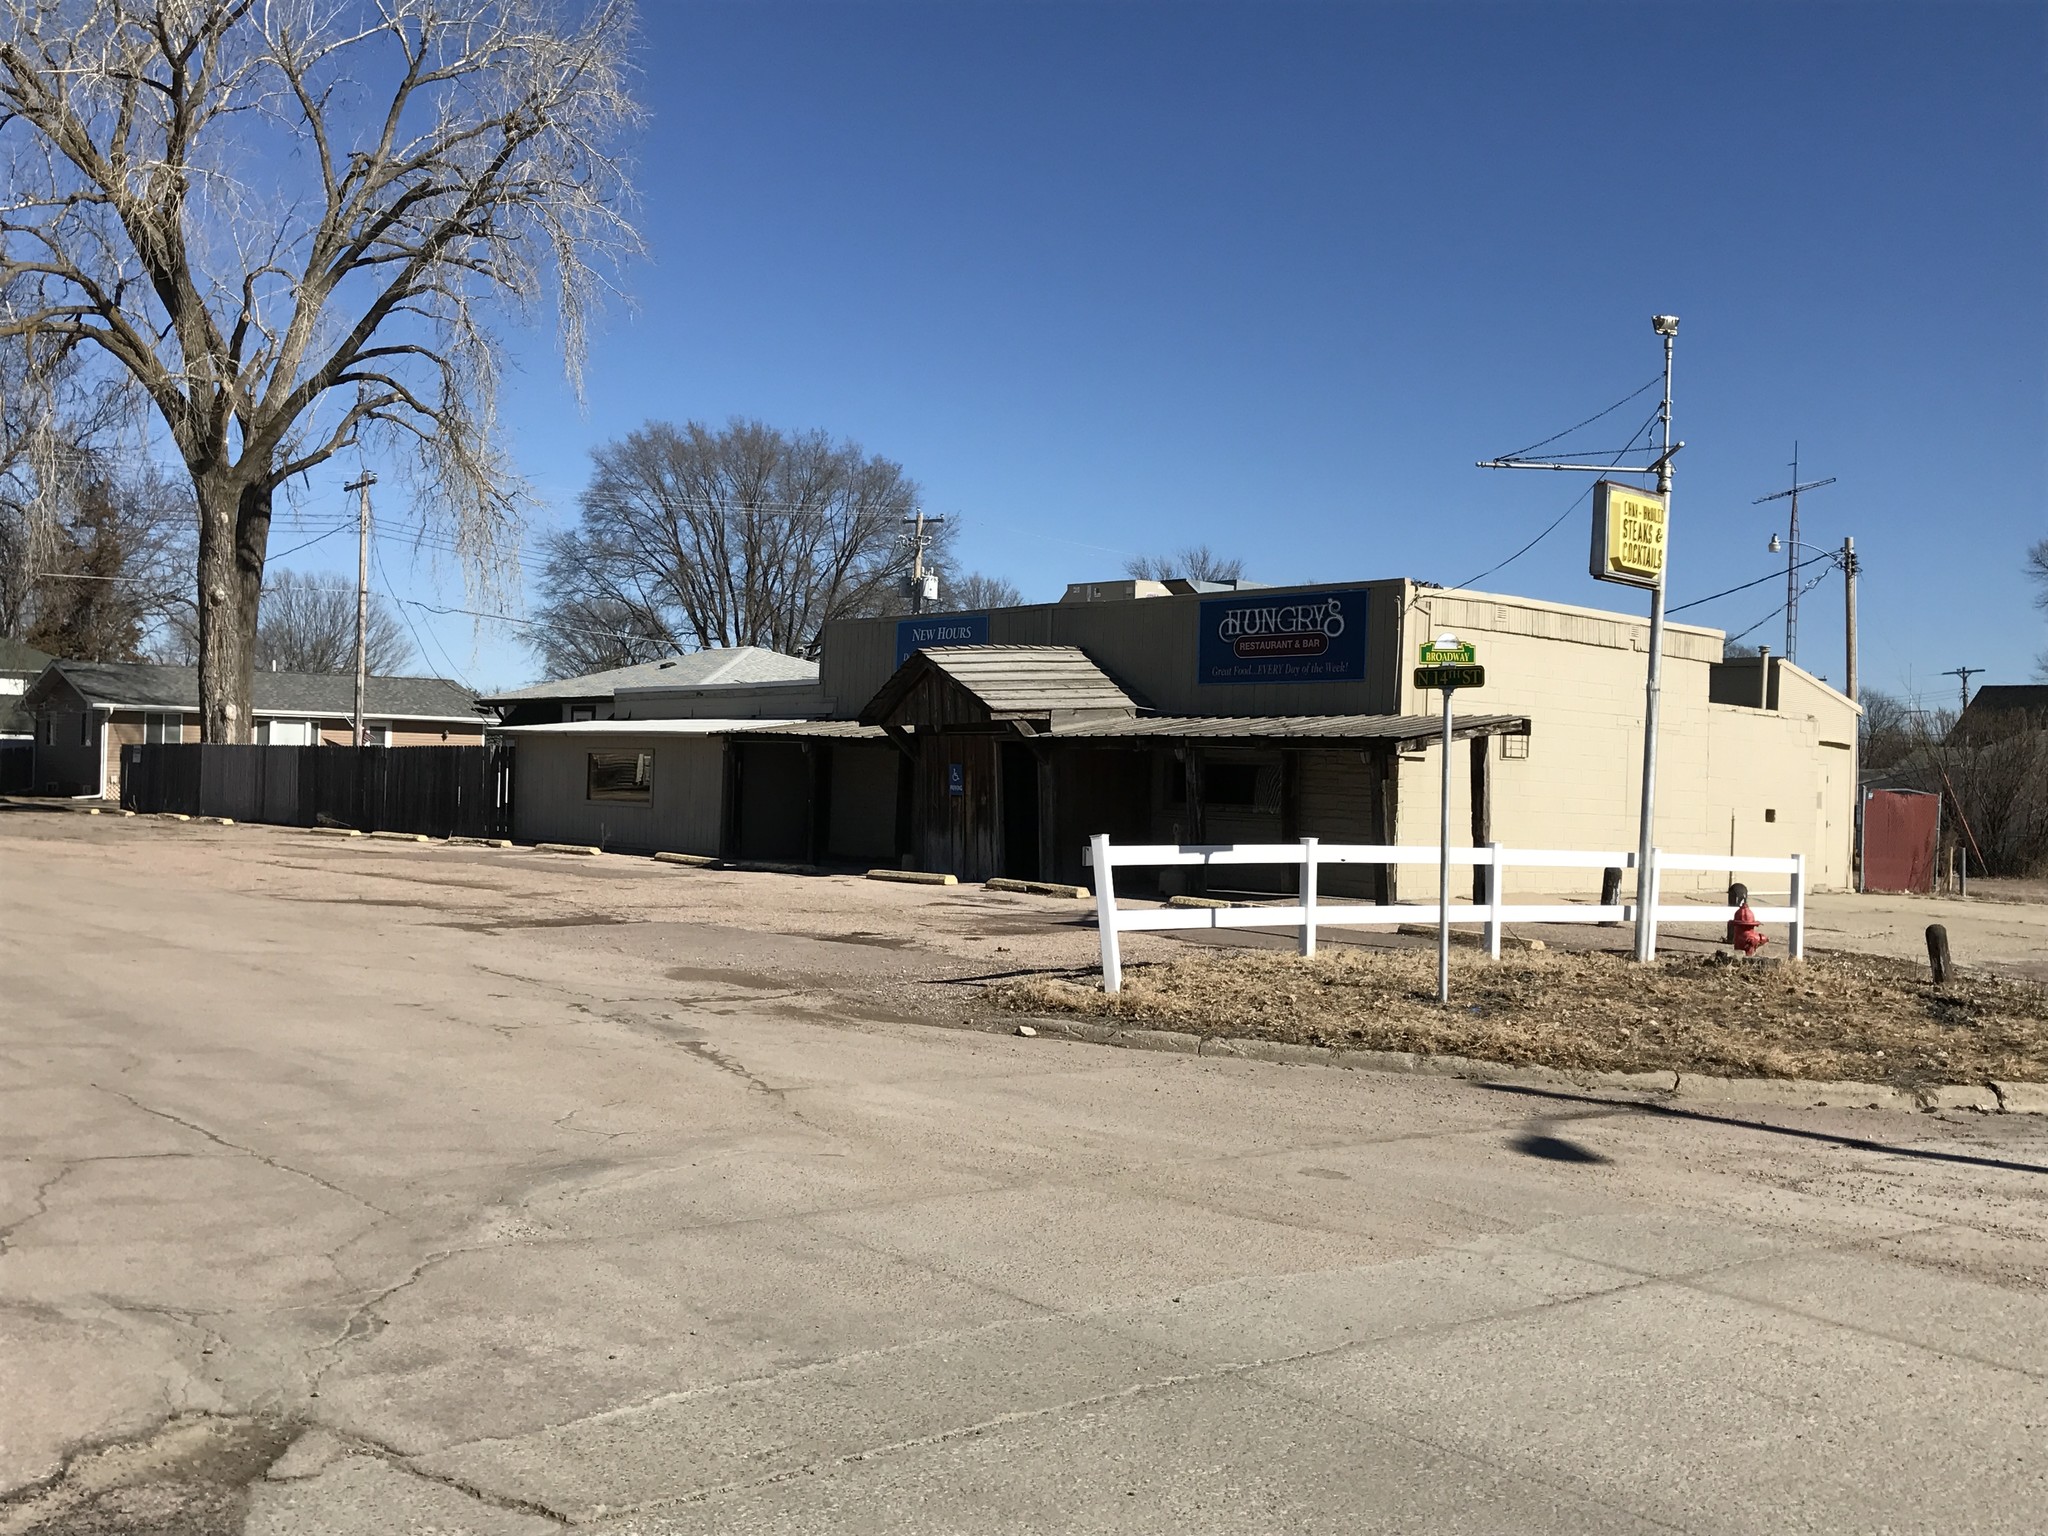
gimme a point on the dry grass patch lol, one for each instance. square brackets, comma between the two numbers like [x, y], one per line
[1834, 1016]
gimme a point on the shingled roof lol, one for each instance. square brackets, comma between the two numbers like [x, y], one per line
[1009, 682]
[146, 685]
[739, 664]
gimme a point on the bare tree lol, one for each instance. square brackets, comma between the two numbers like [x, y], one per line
[1198, 562]
[289, 223]
[1889, 732]
[308, 624]
[579, 635]
[695, 538]
[974, 590]
[2037, 572]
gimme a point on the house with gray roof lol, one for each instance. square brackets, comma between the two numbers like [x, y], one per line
[20, 665]
[596, 695]
[86, 711]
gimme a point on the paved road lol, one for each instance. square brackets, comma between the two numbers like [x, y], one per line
[325, 1210]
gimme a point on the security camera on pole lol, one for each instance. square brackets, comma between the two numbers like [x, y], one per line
[1631, 545]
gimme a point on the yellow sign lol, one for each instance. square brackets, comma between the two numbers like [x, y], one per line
[1628, 534]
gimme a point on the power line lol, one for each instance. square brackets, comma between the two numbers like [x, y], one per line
[385, 576]
[1567, 512]
[1568, 431]
[1802, 565]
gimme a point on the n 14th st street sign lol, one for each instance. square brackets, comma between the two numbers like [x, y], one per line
[1450, 677]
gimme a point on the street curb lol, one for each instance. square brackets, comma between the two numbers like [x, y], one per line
[690, 860]
[588, 849]
[403, 837]
[1664, 1086]
[334, 831]
[1036, 888]
[912, 877]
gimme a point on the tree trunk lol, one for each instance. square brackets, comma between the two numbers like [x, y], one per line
[234, 530]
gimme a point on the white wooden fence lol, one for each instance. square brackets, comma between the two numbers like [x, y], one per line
[1307, 915]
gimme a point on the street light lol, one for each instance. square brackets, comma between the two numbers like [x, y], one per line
[1843, 560]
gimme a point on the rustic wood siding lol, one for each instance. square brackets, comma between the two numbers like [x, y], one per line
[959, 834]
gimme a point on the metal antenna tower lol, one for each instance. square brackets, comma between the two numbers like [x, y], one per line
[1792, 552]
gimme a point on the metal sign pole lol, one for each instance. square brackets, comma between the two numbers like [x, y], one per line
[1443, 867]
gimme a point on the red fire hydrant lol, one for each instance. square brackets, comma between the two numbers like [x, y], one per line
[1745, 933]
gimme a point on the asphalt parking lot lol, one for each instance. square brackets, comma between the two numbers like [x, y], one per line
[352, 1187]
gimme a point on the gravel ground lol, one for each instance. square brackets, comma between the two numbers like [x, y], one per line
[1835, 1016]
[963, 954]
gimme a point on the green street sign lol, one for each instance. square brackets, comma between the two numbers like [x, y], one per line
[1460, 655]
[1450, 677]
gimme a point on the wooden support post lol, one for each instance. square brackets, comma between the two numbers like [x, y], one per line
[818, 802]
[1610, 890]
[1385, 767]
[1937, 954]
[1050, 865]
[729, 816]
[1482, 810]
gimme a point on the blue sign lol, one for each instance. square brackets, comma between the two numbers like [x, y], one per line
[914, 635]
[1283, 637]
[956, 779]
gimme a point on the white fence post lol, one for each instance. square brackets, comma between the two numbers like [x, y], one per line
[1650, 888]
[1798, 935]
[1308, 896]
[1105, 914]
[1493, 884]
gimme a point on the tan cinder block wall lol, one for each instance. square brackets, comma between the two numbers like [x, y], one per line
[1578, 674]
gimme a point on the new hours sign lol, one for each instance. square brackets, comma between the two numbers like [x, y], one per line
[1283, 637]
[1628, 534]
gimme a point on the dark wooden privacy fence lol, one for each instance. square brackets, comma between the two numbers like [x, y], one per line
[438, 791]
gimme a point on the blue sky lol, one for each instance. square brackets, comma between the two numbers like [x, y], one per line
[1111, 278]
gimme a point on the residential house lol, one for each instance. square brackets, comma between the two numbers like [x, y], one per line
[86, 711]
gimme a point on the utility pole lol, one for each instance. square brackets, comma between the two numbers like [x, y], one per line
[1792, 557]
[1653, 685]
[1665, 326]
[1849, 613]
[1965, 673]
[362, 485]
[918, 540]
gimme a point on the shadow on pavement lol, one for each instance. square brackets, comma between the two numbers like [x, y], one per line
[1703, 1117]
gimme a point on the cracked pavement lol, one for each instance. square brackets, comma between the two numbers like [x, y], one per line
[484, 1211]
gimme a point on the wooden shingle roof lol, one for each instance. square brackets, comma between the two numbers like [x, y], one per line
[1008, 682]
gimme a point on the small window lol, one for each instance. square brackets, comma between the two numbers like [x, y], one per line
[377, 734]
[582, 712]
[85, 729]
[621, 776]
[1251, 786]
[1514, 746]
[158, 730]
